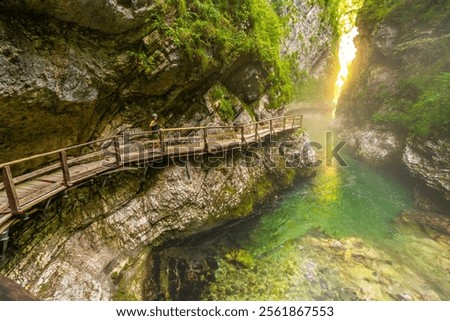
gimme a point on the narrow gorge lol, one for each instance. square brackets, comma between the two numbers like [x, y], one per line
[215, 226]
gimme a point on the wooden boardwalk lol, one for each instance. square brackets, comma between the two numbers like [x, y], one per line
[66, 168]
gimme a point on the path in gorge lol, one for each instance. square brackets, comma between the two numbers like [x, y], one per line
[336, 236]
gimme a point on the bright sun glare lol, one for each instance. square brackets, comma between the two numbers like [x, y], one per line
[347, 49]
[347, 53]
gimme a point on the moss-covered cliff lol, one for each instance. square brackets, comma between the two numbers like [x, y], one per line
[395, 107]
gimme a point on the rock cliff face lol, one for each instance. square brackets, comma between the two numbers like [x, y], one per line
[71, 71]
[389, 110]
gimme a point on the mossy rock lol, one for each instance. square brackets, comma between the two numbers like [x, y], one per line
[241, 257]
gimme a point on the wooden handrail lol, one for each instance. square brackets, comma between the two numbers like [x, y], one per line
[111, 139]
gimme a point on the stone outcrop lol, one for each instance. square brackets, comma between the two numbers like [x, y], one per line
[111, 17]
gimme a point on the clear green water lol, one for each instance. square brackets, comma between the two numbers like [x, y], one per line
[335, 236]
[340, 201]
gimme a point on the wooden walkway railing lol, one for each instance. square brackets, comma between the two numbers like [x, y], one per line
[65, 168]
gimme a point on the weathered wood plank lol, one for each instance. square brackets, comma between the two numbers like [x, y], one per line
[35, 201]
[4, 218]
[43, 192]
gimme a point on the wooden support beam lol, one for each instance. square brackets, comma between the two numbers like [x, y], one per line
[293, 122]
[11, 193]
[65, 168]
[256, 131]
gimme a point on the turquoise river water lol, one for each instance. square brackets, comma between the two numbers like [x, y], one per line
[339, 235]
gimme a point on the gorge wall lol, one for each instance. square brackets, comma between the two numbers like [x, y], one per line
[74, 71]
[395, 106]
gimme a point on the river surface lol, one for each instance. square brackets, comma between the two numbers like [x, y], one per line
[339, 235]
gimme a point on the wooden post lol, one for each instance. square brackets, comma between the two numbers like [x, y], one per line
[117, 150]
[65, 168]
[256, 131]
[293, 122]
[161, 141]
[271, 127]
[284, 123]
[205, 139]
[11, 192]
[243, 142]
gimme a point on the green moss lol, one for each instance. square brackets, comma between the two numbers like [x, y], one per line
[213, 34]
[241, 258]
[433, 13]
[421, 105]
[222, 101]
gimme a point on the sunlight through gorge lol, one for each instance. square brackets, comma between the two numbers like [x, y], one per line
[347, 48]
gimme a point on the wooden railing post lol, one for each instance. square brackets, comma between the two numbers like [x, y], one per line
[256, 131]
[284, 123]
[243, 142]
[271, 126]
[65, 168]
[11, 192]
[161, 141]
[293, 122]
[205, 139]
[117, 150]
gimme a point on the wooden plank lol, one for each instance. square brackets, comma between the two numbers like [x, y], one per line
[83, 158]
[4, 218]
[28, 187]
[38, 200]
[36, 173]
[37, 184]
[4, 209]
[44, 191]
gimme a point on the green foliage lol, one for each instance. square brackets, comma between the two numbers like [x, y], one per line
[375, 10]
[213, 34]
[421, 105]
[434, 13]
[222, 103]
[331, 15]
[147, 63]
